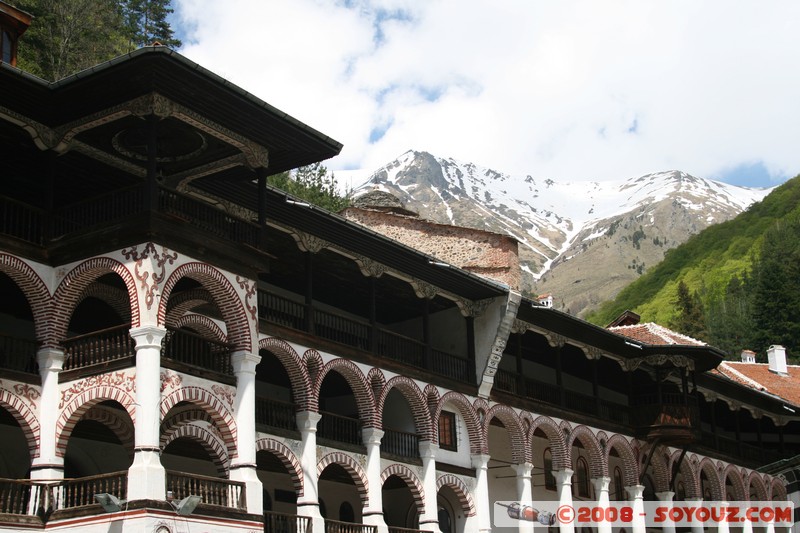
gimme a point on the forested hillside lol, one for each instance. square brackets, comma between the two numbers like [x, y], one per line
[735, 285]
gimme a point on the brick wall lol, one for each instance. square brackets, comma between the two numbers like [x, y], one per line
[486, 254]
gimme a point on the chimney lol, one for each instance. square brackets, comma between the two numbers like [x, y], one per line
[748, 356]
[776, 354]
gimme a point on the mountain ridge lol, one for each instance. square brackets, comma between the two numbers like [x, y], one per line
[582, 241]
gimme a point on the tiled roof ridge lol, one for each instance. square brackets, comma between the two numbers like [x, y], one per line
[748, 381]
[665, 334]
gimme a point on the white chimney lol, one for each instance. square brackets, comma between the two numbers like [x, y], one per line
[748, 356]
[776, 354]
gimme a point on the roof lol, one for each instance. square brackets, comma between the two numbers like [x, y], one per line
[653, 334]
[758, 376]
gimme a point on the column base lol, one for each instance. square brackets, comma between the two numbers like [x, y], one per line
[147, 479]
[311, 511]
[375, 519]
[253, 487]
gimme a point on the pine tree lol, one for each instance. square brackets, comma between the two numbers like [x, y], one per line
[312, 184]
[690, 319]
[146, 21]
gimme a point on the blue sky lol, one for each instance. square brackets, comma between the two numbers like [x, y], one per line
[574, 89]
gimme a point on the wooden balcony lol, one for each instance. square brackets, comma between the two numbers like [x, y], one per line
[333, 526]
[275, 414]
[18, 355]
[340, 429]
[214, 492]
[674, 418]
[196, 351]
[286, 523]
[99, 347]
[400, 444]
[359, 334]
[80, 492]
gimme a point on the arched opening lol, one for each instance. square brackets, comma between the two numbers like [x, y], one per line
[99, 327]
[100, 443]
[542, 478]
[336, 487]
[450, 511]
[581, 485]
[17, 330]
[279, 492]
[195, 331]
[340, 423]
[275, 408]
[15, 457]
[400, 439]
[503, 482]
[400, 509]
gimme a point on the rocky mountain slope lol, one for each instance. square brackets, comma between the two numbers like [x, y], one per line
[581, 241]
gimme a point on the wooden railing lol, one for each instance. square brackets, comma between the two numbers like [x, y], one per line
[281, 311]
[286, 523]
[212, 491]
[80, 492]
[18, 354]
[332, 526]
[400, 443]
[404, 530]
[340, 428]
[276, 414]
[16, 496]
[22, 221]
[208, 218]
[401, 348]
[193, 349]
[98, 347]
[102, 209]
[340, 329]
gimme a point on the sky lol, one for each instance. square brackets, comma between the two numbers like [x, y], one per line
[561, 89]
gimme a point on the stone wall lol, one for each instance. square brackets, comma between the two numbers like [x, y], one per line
[486, 254]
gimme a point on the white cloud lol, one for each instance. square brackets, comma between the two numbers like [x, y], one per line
[569, 89]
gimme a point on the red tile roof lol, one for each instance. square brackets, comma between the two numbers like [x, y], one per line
[758, 376]
[653, 334]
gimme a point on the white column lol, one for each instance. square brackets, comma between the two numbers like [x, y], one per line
[697, 527]
[564, 487]
[48, 465]
[373, 512]
[244, 411]
[601, 493]
[480, 462]
[666, 499]
[429, 521]
[723, 526]
[146, 476]
[524, 492]
[308, 503]
[636, 501]
[747, 525]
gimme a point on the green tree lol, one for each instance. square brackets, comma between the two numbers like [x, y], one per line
[690, 319]
[729, 318]
[776, 288]
[314, 185]
[67, 36]
[146, 22]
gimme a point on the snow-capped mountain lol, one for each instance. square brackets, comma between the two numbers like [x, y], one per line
[582, 241]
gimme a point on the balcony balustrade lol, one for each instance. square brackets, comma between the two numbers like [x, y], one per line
[275, 414]
[192, 349]
[80, 492]
[340, 428]
[98, 347]
[400, 443]
[212, 491]
[286, 523]
[333, 526]
[18, 354]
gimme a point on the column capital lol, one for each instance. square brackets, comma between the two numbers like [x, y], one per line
[307, 420]
[480, 460]
[372, 436]
[428, 449]
[148, 336]
[563, 477]
[601, 483]
[245, 362]
[635, 492]
[51, 359]
[665, 496]
[523, 470]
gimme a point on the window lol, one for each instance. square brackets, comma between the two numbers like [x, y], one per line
[549, 478]
[619, 487]
[447, 431]
[581, 483]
